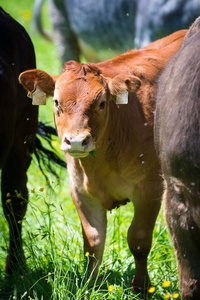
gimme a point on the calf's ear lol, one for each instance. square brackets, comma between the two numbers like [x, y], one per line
[121, 85]
[39, 85]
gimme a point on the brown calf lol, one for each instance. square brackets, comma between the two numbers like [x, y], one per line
[177, 136]
[109, 146]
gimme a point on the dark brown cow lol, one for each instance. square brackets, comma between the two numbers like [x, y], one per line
[18, 127]
[108, 146]
[177, 132]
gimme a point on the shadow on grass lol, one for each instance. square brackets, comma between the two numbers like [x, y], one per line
[68, 284]
[46, 284]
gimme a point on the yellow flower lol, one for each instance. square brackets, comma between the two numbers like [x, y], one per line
[58, 179]
[40, 173]
[54, 143]
[87, 254]
[110, 288]
[166, 283]
[19, 222]
[167, 296]
[41, 189]
[8, 200]
[48, 182]
[27, 15]
[152, 289]
[33, 191]
[24, 218]
[175, 295]
[8, 195]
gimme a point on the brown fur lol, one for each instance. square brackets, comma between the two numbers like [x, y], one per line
[114, 157]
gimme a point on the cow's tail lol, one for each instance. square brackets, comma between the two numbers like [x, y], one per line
[47, 159]
[37, 20]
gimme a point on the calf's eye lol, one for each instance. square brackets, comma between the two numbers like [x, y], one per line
[102, 105]
[56, 102]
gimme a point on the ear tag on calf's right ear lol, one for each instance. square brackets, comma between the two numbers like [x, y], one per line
[122, 98]
[39, 97]
[29, 95]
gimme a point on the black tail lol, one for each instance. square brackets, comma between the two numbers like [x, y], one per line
[47, 158]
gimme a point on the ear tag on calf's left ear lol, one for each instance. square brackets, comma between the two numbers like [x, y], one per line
[122, 98]
[39, 97]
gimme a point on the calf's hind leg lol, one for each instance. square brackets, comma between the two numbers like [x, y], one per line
[140, 236]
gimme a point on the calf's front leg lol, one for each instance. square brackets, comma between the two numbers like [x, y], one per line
[94, 222]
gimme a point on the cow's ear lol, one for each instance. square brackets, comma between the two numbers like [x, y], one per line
[39, 85]
[121, 85]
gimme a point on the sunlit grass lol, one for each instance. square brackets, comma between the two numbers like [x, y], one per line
[58, 267]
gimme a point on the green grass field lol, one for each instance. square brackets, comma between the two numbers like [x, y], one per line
[52, 232]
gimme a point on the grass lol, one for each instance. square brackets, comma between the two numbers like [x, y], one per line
[52, 233]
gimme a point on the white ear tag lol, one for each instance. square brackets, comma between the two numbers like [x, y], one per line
[39, 97]
[29, 95]
[122, 97]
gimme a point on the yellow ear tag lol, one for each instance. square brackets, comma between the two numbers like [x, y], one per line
[39, 97]
[122, 98]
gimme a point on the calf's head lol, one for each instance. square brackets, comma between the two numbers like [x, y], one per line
[81, 96]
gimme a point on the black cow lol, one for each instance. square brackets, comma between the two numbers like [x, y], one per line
[18, 128]
[102, 29]
[177, 137]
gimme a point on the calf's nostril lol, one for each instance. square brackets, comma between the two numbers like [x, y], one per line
[67, 142]
[85, 141]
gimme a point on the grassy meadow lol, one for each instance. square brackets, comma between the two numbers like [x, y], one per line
[52, 232]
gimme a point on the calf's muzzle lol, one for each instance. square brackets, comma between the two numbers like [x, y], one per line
[77, 145]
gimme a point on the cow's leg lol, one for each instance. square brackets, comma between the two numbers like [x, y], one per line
[140, 233]
[64, 37]
[14, 199]
[183, 217]
[94, 222]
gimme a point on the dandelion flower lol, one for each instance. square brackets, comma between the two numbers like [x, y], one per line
[152, 289]
[19, 222]
[166, 283]
[87, 254]
[33, 191]
[8, 195]
[48, 182]
[167, 296]
[175, 295]
[110, 288]
[8, 200]
[27, 15]
[54, 143]
[41, 189]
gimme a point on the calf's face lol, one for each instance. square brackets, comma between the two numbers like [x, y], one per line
[81, 104]
[81, 113]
